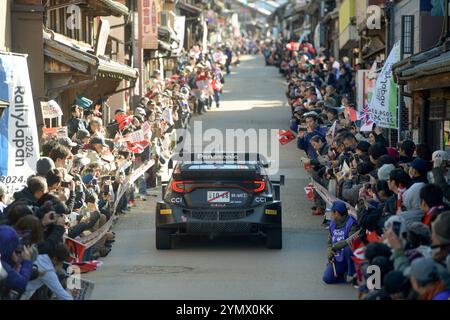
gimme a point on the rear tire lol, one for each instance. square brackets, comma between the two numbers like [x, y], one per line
[163, 239]
[274, 239]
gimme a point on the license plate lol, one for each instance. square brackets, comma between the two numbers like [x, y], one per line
[218, 196]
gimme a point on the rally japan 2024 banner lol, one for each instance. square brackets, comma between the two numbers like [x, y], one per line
[383, 105]
[19, 144]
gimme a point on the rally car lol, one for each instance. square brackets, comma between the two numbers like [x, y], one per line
[209, 196]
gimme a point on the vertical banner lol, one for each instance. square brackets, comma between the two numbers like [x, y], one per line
[205, 37]
[361, 87]
[19, 143]
[149, 23]
[179, 27]
[383, 105]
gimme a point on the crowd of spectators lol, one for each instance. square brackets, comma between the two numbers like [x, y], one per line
[80, 184]
[390, 205]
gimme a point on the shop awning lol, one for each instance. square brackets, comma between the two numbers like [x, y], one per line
[109, 7]
[427, 70]
[289, 11]
[71, 64]
[75, 56]
[81, 58]
[167, 34]
[219, 4]
[429, 63]
[164, 46]
[108, 68]
[189, 8]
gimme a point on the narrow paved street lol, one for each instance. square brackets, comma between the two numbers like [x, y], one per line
[228, 268]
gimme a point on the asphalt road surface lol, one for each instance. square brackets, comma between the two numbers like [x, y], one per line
[228, 268]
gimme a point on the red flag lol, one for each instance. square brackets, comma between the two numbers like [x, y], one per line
[310, 192]
[286, 136]
[76, 250]
[137, 147]
[123, 120]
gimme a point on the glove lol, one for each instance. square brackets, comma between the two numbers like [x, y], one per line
[331, 255]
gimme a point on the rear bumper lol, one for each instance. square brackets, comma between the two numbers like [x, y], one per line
[237, 221]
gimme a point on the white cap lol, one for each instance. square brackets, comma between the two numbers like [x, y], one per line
[439, 158]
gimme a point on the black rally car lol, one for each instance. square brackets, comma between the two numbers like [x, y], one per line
[210, 196]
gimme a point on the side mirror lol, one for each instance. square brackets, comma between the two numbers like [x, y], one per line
[282, 180]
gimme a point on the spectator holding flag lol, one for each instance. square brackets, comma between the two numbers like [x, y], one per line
[342, 227]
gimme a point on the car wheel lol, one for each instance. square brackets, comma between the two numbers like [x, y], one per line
[274, 239]
[163, 240]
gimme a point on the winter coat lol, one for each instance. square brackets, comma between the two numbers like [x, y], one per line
[54, 236]
[411, 197]
[344, 84]
[24, 194]
[304, 143]
[75, 124]
[350, 189]
[390, 207]
[48, 278]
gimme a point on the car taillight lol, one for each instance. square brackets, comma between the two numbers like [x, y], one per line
[260, 186]
[181, 186]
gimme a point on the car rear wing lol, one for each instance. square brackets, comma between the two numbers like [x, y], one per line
[219, 157]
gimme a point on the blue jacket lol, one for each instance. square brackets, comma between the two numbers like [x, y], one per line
[305, 142]
[9, 241]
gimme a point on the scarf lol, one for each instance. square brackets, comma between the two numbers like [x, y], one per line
[401, 191]
[429, 215]
[433, 291]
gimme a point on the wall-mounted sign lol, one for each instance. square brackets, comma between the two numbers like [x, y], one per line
[149, 23]
[102, 37]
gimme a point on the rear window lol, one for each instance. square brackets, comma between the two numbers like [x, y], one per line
[214, 171]
[217, 167]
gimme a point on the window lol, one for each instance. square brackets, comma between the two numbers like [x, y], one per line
[407, 40]
[57, 17]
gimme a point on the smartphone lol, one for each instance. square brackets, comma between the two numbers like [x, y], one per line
[396, 227]
[302, 129]
[65, 184]
[25, 239]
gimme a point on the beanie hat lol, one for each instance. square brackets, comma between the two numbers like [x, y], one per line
[439, 158]
[396, 282]
[83, 133]
[44, 165]
[363, 146]
[384, 171]
[441, 226]
[9, 241]
[339, 206]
